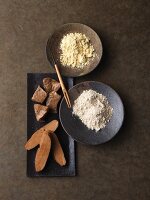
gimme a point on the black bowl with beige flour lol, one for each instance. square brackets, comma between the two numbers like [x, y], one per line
[77, 130]
[53, 46]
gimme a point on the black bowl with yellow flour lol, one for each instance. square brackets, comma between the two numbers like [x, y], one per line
[53, 46]
[77, 130]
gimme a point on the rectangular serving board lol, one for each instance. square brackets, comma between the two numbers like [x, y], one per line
[52, 168]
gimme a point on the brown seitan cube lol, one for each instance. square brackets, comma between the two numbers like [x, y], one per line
[52, 101]
[40, 111]
[39, 95]
[50, 84]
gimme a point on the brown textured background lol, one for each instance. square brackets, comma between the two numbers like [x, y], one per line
[118, 170]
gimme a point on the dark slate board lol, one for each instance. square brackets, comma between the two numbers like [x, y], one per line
[51, 168]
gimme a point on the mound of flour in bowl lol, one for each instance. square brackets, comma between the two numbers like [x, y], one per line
[93, 109]
[76, 50]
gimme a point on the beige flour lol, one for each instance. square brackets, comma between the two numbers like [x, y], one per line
[92, 109]
[76, 50]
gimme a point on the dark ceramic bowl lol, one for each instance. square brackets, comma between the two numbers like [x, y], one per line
[53, 45]
[77, 130]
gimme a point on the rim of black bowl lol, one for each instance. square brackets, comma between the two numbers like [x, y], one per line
[86, 142]
[50, 36]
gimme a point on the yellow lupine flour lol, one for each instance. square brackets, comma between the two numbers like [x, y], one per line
[76, 50]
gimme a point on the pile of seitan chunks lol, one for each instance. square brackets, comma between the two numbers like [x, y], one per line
[46, 98]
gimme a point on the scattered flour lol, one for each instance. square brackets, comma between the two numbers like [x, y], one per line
[92, 109]
[76, 50]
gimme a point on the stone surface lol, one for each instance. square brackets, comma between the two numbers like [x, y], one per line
[118, 170]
